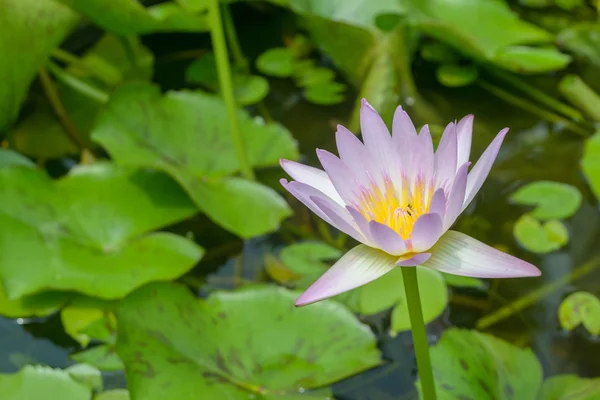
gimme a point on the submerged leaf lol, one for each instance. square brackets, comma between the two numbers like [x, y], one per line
[236, 344]
[137, 129]
[473, 365]
[553, 200]
[85, 232]
[580, 308]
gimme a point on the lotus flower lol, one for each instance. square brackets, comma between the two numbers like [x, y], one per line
[399, 198]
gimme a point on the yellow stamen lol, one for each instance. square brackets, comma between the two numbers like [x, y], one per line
[397, 207]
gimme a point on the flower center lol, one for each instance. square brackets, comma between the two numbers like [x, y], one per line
[398, 206]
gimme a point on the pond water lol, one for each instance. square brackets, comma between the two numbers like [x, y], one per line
[533, 150]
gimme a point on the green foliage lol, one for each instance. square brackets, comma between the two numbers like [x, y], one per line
[580, 308]
[137, 128]
[253, 341]
[590, 163]
[474, 365]
[89, 224]
[278, 62]
[582, 39]
[540, 237]
[456, 75]
[115, 394]
[36, 382]
[570, 387]
[552, 200]
[31, 29]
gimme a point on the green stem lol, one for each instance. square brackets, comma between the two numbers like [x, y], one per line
[76, 84]
[232, 39]
[419, 334]
[531, 298]
[226, 84]
[530, 107]
[81, 63]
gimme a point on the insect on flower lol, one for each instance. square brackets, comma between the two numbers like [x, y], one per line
[399, 198]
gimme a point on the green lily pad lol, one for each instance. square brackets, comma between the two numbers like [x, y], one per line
[464, 281]
[552, 200]
[31, 29]
[580, 308]
[487, 30]
[570, 387]
[87, 375]
[248, 89]
[456, 75]
[472, 365]
[137, 129]
[278, 62]
[104, 357]
[36, 382]
[303, 262]
[313, 76]
[36, 305]
[85, 319]
[590, 163]
[540, 238]
[10, 158]
[236, 344]
[438, 52]
[325, 93]
[88, 231]
[583, 39]
[130, 17]
[115, 394]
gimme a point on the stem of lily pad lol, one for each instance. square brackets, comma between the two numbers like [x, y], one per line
[419, 334]
[226, 85]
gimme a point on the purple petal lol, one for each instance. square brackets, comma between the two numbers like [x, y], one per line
[357, 267]
[438, 203]
[445, 156]
[414, 260]
[339, 216]
[313, 177]
[459, 254]
[353, 154]
[362, 224]
[404, 134]
[481, 170]
[457, 196]
[377, 140]
[464, 131]
[340, 175]
[302, 192]
[387, 239]
[422, 155]
[426, 231]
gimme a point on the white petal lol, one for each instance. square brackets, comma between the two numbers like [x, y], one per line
[459, 254]
[357, 267]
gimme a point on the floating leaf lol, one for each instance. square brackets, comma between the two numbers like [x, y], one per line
[553, 200]
[86, 375]
[538, 238]
[10, 158]
[31, 29]
[487, 30]
[103, 357]
[85, 319]
[456, 75]
[580, 308]
[304, 262]
[115, 394]
[236, 344]
[582, 39]
[84, 232]
[438, 52]
[37, 382]
[570, 387]
[313, 76]
[590, 163]
[137, 129]
[326, 93]
[473, 365]
[250, 89]
[36, 305]
[129, 17]
[278, 62]
[464, 281]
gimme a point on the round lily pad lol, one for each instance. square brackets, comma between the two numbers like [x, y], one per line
[540, 238]
[552, 200]
[236, 344]
[580, 308]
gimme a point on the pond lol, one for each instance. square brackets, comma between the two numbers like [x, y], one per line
[126, 198]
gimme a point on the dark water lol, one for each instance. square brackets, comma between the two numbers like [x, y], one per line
[533, 150]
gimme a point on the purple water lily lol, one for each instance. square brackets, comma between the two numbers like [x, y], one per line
[399, 198]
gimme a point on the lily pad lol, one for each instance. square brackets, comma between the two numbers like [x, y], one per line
[87, 375]
[580, 308]
[36, 305]
[552, 200]
[85, 319]
[115, 394]
[456, 75]
[130, 17]
[88, 231]
[37, 27]
[304, 262]
[540, 238]
[590, 163]
[104, 357]
[10, 158]
[278, 62]
[326, 93]
[464, 281]
[570, 387]
[36, 382]
[488, 30]
[137, 129]
[583, 39]
[236, 344]
[472, 365]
